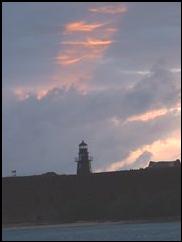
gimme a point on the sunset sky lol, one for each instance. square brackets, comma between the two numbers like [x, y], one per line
[108, 73]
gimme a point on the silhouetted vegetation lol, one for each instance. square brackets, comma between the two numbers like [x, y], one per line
[140, 194]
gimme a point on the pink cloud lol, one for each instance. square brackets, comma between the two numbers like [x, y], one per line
[81, 26]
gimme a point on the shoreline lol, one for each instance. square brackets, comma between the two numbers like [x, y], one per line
[89, 223]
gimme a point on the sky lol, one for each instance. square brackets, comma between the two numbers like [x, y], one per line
[106, 73]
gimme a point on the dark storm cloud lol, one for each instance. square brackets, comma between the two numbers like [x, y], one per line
[42, 134]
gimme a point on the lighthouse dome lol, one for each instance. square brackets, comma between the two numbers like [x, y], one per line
[82, 143]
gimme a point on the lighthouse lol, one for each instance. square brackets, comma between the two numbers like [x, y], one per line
[83, 160]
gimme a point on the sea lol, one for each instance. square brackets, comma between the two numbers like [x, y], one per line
[110, 231]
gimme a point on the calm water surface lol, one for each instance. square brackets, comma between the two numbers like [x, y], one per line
[170, 231]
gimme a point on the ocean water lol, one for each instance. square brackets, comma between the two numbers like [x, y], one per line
[169, 231]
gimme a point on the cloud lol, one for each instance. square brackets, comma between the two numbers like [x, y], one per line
[67, 60]
[138, 72]
[109, 9]
[91, 79]
[42, 135]
[82, 51]
[88, 42]
[159, 150]
[84, 43]
[148, 115]
[82, 26]
[21, 93]
[137, 159]
[98, 42]
[160, 89]
[176, 70]
[142, 160]
[80, 56]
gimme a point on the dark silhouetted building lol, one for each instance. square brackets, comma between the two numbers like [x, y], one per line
[83, 160]
[164, 164]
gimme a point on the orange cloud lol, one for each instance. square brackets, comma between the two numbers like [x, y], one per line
[40, 93]
[78, 54]
[128, 161]
[154, 114]
[89, 42]
[98, 42]
[71, 60]
[81, 26]
[21, 93]
[142, 117]
[77, 51]
[149, 115]
[166, 149]
[67, 60]
[109, 9]
[84, 43]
